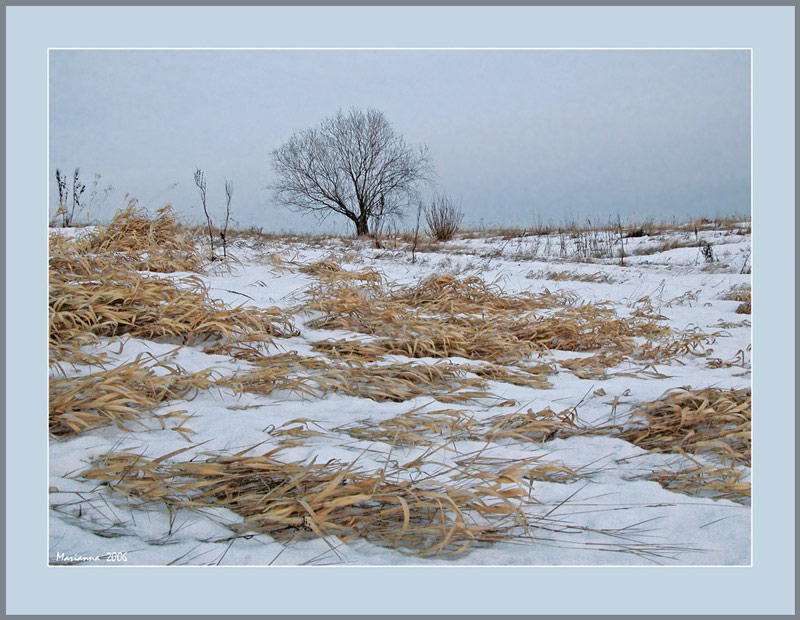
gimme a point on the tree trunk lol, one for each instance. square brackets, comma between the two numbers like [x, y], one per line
[362, 226]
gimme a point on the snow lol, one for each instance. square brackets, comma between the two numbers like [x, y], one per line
[608, 511]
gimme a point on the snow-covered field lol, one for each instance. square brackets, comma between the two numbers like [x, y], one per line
[604, 513]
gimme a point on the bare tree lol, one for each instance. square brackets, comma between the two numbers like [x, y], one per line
[443, 217]
[200, 182]
[354, 165]
[224, 233]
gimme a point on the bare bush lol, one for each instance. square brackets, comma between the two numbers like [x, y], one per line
[200, 182]
[224, 232]
[443, 217]
[78, 188]
[77, 191]
[707, 250]
[63, 194]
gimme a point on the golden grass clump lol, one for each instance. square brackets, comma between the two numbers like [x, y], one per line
[290, 434]
[471, 295]
[331, 270]
[587, 327]
[705, 481]
[540, 426]
[396, 382]
[431, 428]
[349, 349]
[741, 359]
[742, 294]
[321, 267]
[288, 371]
[417, 427]
[537, 426]
[709, 421]
[278, 263]
[739, 293]
[70, 255]
[443, 316]
[559, 276]
[733, 324]
[95, 291]
[149, 244]
[120, 395]
[522, 375]
[403, 381]
[521, 473]
[525, 376]
[592, 366]
[116, 300]
[690, 341]
[291, 500]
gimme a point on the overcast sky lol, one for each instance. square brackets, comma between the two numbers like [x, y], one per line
[520, 137]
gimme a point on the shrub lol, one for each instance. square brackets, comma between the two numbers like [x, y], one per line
[707, 250]
[443, 217]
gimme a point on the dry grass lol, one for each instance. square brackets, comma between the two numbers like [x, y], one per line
[705, 481]
[709, 421]
[690, 341]
[739, 293]
[470, 295]
[330, 269]
[537, 426]
[123, 302]
[96, 291]
[148, 244]
[417, 427]
[121, 395]
[683, 300]
[522, 375]
[432, 428]
[740, 359]
[524, 473]
[734, 324]
[519, 374]
[628, 230]
[446, 382]
[99, 296]
[444, 316]
[279, 264]
[291, 500]
[560, 276]
[666, 245]
[742, 294]
[349, 349]
[593, 366]
[322, 268]
[400, 382]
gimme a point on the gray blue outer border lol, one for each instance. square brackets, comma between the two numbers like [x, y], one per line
[351, 3]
